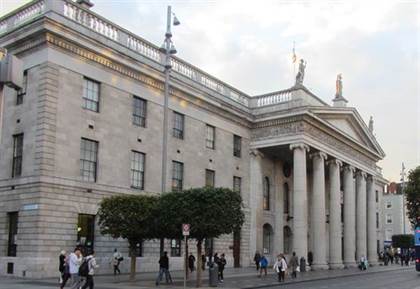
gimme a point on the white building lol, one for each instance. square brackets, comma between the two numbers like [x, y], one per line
[88, 124]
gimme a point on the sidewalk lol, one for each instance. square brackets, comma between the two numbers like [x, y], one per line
[234, 278]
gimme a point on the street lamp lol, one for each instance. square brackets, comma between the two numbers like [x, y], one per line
[167, 49]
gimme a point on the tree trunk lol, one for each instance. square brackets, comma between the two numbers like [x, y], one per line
[199, 261]
[133, 262]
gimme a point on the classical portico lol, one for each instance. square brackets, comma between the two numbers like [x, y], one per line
[332, 157]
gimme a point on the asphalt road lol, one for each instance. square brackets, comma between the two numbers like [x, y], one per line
[383, 280]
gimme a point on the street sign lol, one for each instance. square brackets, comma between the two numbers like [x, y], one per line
[185, 229]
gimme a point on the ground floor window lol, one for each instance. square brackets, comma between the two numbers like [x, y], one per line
[86, 232]
[176, 248]
[13, 229]
[267, 238]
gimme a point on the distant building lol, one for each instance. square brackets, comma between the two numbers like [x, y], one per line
[395, 213]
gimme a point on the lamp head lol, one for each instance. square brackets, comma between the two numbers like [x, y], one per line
[176, 21]
[172, 49]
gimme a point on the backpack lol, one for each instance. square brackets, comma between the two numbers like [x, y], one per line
[84, 268]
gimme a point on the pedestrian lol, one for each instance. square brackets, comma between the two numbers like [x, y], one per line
[203, 262]
[216, 258]
[191, 261]
[310, 258]
[257, 259]
[280, 267]
[91, 261]
[263, 265]
[116, 260]
[164, 269]
[293, 264]
[363, 263]
[75, 260]
[63, 267]
[221, 264]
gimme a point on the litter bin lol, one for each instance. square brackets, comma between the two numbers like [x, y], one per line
[213, 275]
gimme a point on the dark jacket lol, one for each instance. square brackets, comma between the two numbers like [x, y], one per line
[62, 263]
[164, 262]
[221, 263]
[191, 260]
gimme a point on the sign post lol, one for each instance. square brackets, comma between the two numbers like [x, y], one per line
[185, 233]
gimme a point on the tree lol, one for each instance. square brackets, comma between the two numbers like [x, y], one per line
[412, 192]
[211, 212]
[130, 217]
[403, 241]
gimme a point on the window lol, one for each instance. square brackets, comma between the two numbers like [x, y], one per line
[139, 111]
[178, 130]
[13, 230]
[266, 194]
[91, 95]
[388, 234]
[389, 205]
[377, 220]
[237, 146]
[267, 235]
[17, 155]
[137, 170]
[389, 219]
[237, 184]
[210, 136]
[210, 178]
[85, 232]
[176, 248]
[88, 159]
[286, 198]
[22, 92]
[177, 176]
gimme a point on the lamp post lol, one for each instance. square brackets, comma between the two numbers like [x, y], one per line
[403, 197]
[167, 50]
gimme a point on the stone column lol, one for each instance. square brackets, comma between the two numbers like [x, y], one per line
[278, 223]
[336, 261]
[349, 217]
[300, 200]
[255, 203]
[361, 237]
[371, 222]
[318, 211]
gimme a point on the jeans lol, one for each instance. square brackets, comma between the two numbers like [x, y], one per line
[281, 276]
[167, 276]
[117, 269]
[89, 282]
[75, 280]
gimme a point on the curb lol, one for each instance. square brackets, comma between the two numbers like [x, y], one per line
[325, 278]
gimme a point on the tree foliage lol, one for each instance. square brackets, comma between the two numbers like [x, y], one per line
[412, 192]
[130, 217]
[403, 241]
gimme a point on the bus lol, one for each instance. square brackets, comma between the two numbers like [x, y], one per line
[417, 246]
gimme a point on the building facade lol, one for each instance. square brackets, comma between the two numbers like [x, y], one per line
[87, 124]
[396, 220]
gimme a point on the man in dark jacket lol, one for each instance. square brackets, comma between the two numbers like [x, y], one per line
[221, 263]
[191, 261]
[164, 269]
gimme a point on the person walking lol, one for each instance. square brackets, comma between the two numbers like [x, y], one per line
[164, 269]
[293, 264]
[116, 260]
[75, 260]
[221, 264]
[280, 267]
[263, 265]
[257, 259]
[91, 261]
[63, 267]
[191, 261]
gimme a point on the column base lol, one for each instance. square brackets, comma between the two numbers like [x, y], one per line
[336, 266]
[316, 267]
[351, 264]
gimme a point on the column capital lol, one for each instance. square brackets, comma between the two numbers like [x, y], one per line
[335, 162]
[349, 168]
[319, 154]
[361, 174]
[370, 178]
[256, 153]
[301, 146]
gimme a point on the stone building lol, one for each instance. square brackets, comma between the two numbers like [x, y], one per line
[88, 121]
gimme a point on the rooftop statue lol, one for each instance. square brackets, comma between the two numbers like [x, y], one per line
[301, 73]
[339, 86]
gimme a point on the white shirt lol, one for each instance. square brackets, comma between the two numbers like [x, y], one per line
[92, 264]
[280, 264]
[74, 263]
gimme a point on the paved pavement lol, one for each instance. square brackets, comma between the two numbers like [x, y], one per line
[247, 278]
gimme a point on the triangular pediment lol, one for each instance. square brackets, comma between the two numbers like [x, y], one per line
[348, 122]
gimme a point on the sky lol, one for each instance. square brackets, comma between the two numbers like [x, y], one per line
[248, 44]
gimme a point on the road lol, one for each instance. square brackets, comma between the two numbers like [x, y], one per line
[383, 280]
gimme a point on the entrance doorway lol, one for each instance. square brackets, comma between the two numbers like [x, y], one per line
[237, 249]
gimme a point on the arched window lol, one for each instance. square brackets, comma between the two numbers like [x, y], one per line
[267, 238]
[287, 238]
[266, 194]
[286, 198]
